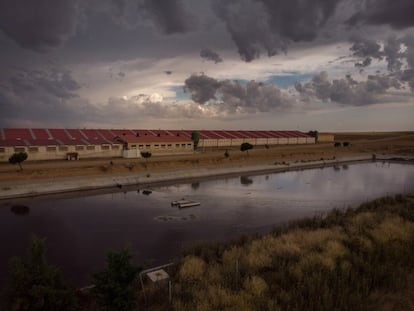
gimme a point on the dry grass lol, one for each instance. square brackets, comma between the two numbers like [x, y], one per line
[351, 260]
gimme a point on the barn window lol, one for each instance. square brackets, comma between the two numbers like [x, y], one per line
[90, 147]
[63, 148]
[105, 147]
[51, 149]
[79, 148]
[19, 149]
[33, 149]
[2, 150]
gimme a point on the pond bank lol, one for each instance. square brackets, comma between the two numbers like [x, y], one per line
[33, 188]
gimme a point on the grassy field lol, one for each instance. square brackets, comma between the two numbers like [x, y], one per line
[355, 259]
[401, 143]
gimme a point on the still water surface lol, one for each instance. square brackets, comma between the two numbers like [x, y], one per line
[80, 230]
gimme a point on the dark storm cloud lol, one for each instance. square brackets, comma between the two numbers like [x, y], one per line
[365, 63]
[347, 91]
[232, 96]
[396, 13]
[170, 16]
[39, 25]
[253, 97]
[391, 51]
[41, 95]
[363, 47]
[201, 87]
[271, 25]
[209, 54]
[53, 82]
[409, 53]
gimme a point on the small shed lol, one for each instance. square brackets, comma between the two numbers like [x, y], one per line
[325, 138]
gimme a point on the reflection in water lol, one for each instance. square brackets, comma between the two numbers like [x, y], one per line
[80, 229]
[195, 185]
[20, 209]
[245, 180]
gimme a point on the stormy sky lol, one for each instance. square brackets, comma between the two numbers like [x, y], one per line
[330, 65]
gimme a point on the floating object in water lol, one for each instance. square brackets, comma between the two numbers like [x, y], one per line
[146, 192]
[184, 203]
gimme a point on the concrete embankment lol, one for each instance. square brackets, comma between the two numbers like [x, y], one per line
[33, 188]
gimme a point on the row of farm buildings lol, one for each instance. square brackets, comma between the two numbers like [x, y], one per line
[51, 144]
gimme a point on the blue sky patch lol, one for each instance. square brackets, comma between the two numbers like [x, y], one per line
[179, 92]
[288, 80]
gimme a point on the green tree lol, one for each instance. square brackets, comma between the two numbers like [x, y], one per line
[246, 147]
[34, 285]
[146, 155]
[18, 158]
[116, 285]
[195, 137]
[313, 134]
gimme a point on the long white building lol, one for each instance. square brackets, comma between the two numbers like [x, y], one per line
[52, 144]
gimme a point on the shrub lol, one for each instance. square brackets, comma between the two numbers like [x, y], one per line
[246, 147]
[104, 168]
[115, 286]
[35, 285]
[18, 158]
[129, 166]
[146, 154]
[192, 268]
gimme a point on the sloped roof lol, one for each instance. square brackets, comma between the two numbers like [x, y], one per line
[54, 136]
[131, 139]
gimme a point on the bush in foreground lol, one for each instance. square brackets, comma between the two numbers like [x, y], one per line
[116, 286]
[34, 285]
